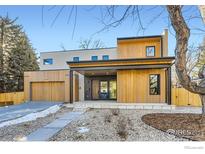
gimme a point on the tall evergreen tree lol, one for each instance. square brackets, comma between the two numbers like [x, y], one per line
[16, 55]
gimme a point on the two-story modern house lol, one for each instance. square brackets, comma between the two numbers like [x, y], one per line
[138, 70]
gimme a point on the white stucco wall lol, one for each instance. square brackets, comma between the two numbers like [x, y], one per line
[61, 57]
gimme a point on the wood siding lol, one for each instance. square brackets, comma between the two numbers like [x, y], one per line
[49, 80]
[182, 97]
[133, 86]
[137, 48]
[95, 89]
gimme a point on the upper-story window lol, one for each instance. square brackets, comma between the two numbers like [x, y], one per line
[94, 58]
[76, 59]
[105, 57]
[48, 61]
[150, 51]
[154, 84]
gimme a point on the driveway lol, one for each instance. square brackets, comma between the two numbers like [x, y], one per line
[16, 111]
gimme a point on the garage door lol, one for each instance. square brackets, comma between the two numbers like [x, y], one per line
[47, 91]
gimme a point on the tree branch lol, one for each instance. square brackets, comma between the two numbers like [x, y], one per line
[182, 37]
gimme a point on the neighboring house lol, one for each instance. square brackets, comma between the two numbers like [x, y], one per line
[138, 70]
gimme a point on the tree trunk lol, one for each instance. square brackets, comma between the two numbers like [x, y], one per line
[182, 37]
[203, 103]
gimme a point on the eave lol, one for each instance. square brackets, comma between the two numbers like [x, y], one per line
[162, 62]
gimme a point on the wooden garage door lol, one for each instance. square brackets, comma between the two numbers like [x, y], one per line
[47, 91]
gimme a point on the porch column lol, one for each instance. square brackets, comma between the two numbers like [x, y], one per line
[71, 86]
[169, 85]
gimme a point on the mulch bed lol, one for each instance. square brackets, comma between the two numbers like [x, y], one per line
[190, 126]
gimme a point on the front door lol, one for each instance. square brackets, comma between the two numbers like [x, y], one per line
[103, 90]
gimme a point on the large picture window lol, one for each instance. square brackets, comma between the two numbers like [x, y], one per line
[154, 84]
[150, 51]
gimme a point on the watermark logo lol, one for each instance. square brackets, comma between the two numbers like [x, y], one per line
[171, 133]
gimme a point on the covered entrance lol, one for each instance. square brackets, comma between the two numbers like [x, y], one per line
[126, 80]
[100, 87]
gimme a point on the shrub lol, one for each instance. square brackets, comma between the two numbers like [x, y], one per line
[122, 127]
[108, 118]
[115, 112]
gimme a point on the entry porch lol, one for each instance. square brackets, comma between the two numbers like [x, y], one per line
[146, 80]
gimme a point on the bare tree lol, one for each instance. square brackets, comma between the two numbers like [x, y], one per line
[91, 44]
[182, 38]
[194, 61]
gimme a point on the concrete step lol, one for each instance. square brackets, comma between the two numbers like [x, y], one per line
[78, 106]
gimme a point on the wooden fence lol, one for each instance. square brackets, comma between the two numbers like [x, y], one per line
[11, 98]
[182, 97]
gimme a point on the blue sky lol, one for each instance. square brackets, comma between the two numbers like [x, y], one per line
[45, 37]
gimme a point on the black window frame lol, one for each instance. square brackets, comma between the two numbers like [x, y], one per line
[44, 63]
[154, 51]
[105, 56]
[76, 60]
[158, 84]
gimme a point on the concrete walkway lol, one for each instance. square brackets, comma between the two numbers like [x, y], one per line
[46, 132]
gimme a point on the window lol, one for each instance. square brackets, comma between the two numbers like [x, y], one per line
[150, 51]
[154, 84]
[103, 86]
[94, 58]
[105, 57]
[76, 58]
[48, 61]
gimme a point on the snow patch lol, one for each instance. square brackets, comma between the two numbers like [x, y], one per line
[31, 116]
[83, 129]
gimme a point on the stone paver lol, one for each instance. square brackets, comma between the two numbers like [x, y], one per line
[42, 134]
[60, 123]
[70, 116]
[46, 132]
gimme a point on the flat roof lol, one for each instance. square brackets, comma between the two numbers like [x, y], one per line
[139, 37]
[122, 60]
[78, 50]
[137, 63]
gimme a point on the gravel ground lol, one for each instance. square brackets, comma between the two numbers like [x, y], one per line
[109, 125]
[15, 132]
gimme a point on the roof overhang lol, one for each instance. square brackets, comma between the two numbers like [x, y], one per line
[139, 38]
[119, 64]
